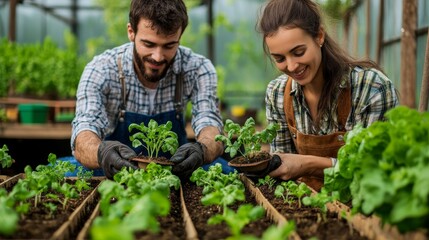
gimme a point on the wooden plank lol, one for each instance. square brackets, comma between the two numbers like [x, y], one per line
[50, 103]
[49, 131]
[408, 53]
[35, 131]
[424, 92]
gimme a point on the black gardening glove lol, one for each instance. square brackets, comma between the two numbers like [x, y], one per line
[272, 165]
[187, 158]
[113, 156]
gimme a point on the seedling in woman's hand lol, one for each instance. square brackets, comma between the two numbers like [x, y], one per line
[246, 137]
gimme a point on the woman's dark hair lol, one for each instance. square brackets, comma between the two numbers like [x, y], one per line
[306, 15]
[167, 16]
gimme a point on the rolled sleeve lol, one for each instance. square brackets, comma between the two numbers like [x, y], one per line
[91, 101]
[205, 102]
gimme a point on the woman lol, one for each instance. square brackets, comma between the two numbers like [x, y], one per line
[322, 94]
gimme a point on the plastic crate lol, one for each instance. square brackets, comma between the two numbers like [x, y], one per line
[33, 113]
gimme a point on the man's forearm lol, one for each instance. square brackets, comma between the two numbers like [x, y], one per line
[214, 148]
[86, 149]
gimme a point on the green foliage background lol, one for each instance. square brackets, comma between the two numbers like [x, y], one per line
[40, 69]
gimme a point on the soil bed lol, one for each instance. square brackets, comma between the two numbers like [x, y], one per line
[171, 226]
[200, 214]
[308, 220]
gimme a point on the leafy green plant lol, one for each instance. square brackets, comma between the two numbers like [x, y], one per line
[5, 159]
[224, 190]
[320, 200]
[246, 137]
[384, 169]
[9, 215]
[245, 214]
[219, 188]
[52, 208]
[154, 137]
[67, 190]
[267, 180]
[47, 181]
[141, 196]
[40, 69]
[279, 232]
[292, 189]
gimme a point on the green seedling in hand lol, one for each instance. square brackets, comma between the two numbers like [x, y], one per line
[154, 137]
[247, 136]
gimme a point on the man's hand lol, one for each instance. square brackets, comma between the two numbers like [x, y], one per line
[113, 156]
[187, 158]
[272, 165]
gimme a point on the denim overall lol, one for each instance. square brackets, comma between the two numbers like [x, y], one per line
[122, 134]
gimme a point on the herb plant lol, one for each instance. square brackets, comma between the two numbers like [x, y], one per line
[224, 190]
[5, 159]
[247, 137]
[141, 196]
[267, 180]
[46, 181]
[245, 214]
[154, 137]
[292, 189]
[320, 200]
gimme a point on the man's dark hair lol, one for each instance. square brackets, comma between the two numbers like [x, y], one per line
[166, 16]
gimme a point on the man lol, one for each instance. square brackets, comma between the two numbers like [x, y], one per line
[152, 77]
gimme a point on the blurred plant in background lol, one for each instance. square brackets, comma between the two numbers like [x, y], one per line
[41, 70]
[336, 9]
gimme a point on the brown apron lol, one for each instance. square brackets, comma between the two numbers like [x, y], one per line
[317, 145]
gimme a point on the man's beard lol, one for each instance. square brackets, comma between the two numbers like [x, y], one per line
[155, 76]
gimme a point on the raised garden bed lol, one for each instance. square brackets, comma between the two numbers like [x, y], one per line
[176, 225]
[309, 221]
[38, 223]
[188, 218]
[200, 215]
[339, 223]
[3, 178]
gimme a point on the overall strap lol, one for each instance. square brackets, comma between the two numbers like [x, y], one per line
[178, 103]
[288, 104]
[123, 91]
[344, 107]
[343, 110]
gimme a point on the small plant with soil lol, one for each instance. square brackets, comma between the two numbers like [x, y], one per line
[134, 202]
[154, 138]
[227, 192]
[291, 188]
[247, 142]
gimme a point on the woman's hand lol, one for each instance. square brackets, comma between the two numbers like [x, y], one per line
[295, 166]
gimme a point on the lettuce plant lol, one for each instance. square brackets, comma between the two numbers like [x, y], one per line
[383, 169]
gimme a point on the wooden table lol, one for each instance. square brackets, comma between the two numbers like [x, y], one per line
[35, 131]
[47, 131]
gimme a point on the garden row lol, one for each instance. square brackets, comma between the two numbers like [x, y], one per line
[377, 190]
[152, 203]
